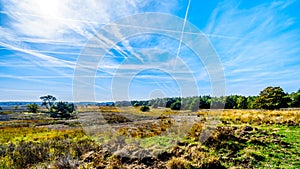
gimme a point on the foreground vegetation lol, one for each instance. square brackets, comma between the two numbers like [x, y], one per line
[243, 139]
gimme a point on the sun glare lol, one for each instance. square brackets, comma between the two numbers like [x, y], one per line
[49, 8]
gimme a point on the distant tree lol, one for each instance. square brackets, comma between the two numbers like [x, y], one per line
[160, 103]
[136, 104]
[151, 102]
[33, 108]
[176, 105]
[204, 102]
[63, 109]
[123, 103]
[186, 103]
[170, 101]
[241, 102]
[294, 99]
[194, 106]
[145, 108]
[218, 102]
[231, 102]
[272, 98]
[251, 104]
[155, 105]
[48, 101]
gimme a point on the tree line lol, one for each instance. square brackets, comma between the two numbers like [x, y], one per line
[270, 98]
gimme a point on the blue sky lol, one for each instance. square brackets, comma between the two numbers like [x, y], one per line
[40, 42]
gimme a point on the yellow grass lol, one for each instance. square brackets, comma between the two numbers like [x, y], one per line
[261, 116]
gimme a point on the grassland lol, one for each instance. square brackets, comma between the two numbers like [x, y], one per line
[155, 139]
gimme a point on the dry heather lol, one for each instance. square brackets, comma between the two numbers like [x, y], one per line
[261, 117]
[244, 139]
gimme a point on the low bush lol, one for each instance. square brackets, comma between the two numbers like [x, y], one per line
[145, 108]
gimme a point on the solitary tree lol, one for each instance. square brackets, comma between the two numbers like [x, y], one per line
[272, 98]
[48, 101]
[33, 108]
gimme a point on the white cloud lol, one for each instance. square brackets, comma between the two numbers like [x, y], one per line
[54, 19]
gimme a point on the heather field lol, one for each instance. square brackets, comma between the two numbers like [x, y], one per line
[110, 137]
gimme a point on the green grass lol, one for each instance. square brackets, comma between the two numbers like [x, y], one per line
[272, 153]
[284, 156]
[163, 142]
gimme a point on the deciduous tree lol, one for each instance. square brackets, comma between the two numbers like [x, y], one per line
[272, 98]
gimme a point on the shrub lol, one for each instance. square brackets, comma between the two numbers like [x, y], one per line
[63, 109]
[28, 153]
[66, 163]
[33, 108]
[178, 163]
[145, 108]
[175, 106]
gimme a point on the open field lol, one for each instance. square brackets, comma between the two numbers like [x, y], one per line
[110, 137]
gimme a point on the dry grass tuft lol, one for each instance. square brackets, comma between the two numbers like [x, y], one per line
[178, 163]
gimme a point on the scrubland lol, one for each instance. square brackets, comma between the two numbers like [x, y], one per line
[160, 138]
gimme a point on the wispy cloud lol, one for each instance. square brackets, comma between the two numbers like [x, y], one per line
[51, 60]
[262, 46]
[41, 40]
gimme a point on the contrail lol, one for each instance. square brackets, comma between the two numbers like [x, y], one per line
[182, 31]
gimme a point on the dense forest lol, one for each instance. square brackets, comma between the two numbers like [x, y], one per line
[270, 98]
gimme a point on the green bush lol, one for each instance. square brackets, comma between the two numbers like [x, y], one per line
[63, 109]
[175, 106]
[145, 108]
[33, 108]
